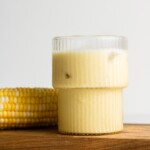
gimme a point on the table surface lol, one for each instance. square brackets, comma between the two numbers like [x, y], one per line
[133, 137]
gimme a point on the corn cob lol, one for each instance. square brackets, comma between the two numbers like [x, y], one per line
[27, 107]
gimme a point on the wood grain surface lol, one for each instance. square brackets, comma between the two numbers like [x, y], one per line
[134, 137]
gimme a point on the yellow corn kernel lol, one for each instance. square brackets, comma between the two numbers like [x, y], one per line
[27, 107]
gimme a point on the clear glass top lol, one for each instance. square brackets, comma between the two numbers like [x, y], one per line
[89, 42]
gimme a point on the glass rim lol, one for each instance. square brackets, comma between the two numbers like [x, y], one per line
[90, 36]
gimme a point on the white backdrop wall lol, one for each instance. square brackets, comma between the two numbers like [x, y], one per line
[27, 27]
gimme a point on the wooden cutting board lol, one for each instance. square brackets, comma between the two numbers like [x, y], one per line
[134, 137]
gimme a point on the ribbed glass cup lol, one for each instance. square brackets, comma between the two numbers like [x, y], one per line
[90, 73]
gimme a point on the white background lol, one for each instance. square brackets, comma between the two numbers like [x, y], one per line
[27, 27]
